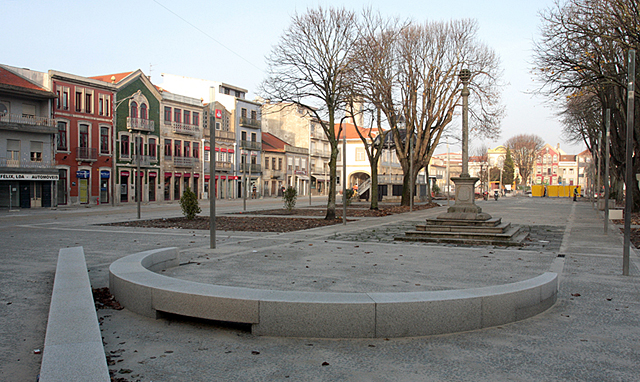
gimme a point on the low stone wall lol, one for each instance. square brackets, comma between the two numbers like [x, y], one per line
[325, 314]
[73, 349]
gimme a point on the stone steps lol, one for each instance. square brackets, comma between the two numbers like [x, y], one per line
[513, 236]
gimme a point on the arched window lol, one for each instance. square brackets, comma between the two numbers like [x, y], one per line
[143, 111]
[134, 110]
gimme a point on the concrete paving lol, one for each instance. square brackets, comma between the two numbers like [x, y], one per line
[590, 334]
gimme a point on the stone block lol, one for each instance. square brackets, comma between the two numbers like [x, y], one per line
[211, 302]
[425, 313]
[317, 315]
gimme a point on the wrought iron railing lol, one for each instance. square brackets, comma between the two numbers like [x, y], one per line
[86, 154]
[139, 124]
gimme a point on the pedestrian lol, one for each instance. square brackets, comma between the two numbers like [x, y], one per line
[575, 194]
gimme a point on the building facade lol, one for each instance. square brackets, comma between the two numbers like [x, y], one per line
[84, 140]
[181, 136]
[216, 115]
[27, 165]
[136, 113]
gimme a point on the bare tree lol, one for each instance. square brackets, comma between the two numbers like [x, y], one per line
[412, 70]
[524, 150]
[581, 60]
[309, 67]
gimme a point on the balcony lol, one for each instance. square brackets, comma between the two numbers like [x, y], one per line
[321, 153]
[86, 154]
[251, 145]
[184, 128]
[145, 160]
[296, 150]
[17, 163]
[220, 166]
[139, 124]
[250, 122]
[222, 134]
[318, 134]
[184, 161]
[253, 168]
[273, 174]
[28, 123]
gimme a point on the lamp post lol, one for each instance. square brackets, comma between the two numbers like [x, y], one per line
[212, 181]
[138, 149]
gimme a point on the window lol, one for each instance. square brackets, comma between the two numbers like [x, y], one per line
[36, 151]
[65, 99]
[280, 164]
[196, 118]
[103, 105]
[134, 110]
[167, 147]
[244, 135]
[107, 106]
[178, 148]
[273, 163]
[196, 150]
[104, 140]
[143, 111]
[360, 154]
[297, 164]
[58, 99]
[253, 137]
[187, 117]
[266, 163]
[153, 148]
[217, 125]
[61, 137]
[124, 146]
[187, 149]
[177, 115]
[254, 114]
[13, 149]
[303, 163]
[289, 164]
[87, 102]
[78, 101]
[84, 135]
[167, 114]
[28, 110]
[243, 113]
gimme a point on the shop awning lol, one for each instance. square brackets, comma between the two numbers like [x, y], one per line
[187, 175]
[321, 178]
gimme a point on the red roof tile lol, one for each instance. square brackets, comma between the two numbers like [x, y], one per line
[272, 143]
[352, 133]
[107, 77]
[9, 78]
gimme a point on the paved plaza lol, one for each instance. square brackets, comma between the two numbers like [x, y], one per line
[590, 334]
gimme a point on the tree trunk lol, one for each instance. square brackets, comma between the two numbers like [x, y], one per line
[373, 191]
[331, 203]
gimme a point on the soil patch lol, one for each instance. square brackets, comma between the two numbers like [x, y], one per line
[271, 223]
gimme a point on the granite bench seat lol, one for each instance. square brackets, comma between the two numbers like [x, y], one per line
[136, 285]
[73, 349]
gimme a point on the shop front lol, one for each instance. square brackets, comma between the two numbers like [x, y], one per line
[26, 190]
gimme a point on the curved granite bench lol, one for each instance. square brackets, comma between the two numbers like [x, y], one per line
[135, 285]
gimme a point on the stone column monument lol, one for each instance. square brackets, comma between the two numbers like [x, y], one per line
[465, 207]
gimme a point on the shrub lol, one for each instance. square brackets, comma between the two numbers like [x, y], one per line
[350, 195]
[435, 189]
[189, 204]
[289, 197]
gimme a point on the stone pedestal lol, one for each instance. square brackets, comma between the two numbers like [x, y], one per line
[465, 207]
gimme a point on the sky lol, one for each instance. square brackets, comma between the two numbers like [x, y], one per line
[228, 41]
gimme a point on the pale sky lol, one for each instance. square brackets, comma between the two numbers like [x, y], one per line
[227, 41]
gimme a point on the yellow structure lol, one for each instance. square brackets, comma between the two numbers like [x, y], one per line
[554, 191]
